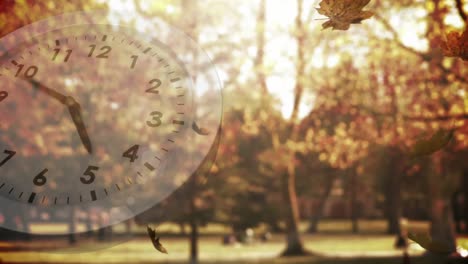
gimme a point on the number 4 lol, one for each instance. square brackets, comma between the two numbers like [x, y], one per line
[131, 153]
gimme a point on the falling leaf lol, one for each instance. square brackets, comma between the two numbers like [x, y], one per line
[435, 143]
[430, 244]
[200, 131]
[343, 13]
[155, 240]
[456, 45]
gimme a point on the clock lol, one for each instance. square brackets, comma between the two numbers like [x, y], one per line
[100, 118]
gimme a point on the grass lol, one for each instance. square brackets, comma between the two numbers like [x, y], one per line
[331, 245]
[363, 247]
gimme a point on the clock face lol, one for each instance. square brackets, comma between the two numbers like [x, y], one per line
[100, 117]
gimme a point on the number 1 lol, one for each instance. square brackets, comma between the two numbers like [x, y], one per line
[134, 58]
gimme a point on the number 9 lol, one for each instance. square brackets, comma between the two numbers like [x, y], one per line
[3, 95]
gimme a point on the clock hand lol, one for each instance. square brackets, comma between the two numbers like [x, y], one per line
[75, 111]
[50, 92]
[198, 130]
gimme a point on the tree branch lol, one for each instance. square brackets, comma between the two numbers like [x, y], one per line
[461, 11]
[399, 42]
[416, 118]
[426, 56]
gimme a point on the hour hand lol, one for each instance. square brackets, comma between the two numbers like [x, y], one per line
[75, 111]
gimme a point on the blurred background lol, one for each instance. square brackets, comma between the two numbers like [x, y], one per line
[314, 156]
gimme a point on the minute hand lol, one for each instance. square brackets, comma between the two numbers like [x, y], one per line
[52, 93]
[75, 111]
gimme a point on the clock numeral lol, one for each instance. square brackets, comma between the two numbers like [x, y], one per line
[156, 119]
[103, 55]
[3, 95]
[10, 155]
[89, 172]
[40, 179]
[131, 153]
[134, 60]
[29, 73]
[155, 85]
[67, 56]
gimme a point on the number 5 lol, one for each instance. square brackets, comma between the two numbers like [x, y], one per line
[89, 172]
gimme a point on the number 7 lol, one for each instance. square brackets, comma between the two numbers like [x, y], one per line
[10, 155]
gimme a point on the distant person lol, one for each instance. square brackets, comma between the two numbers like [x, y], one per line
[229, 239]
[265, 236]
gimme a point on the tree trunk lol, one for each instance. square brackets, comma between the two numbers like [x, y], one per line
[442, 227]
[190, 25]
[182, 228]
[259, 59]
[72, 226]
[9, 221]
[294, 244]
[465, 203]
[392, 193]
[353, 201]
[193, 241]
[315, 218]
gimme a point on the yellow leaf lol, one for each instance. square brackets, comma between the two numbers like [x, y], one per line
[343, 13]
[430, 244]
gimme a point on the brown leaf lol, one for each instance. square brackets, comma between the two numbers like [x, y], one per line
[431, 244]
[433, 144]
[155, 240]
[343, 13]
[456, 45]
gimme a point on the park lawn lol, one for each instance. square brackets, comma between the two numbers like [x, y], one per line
[351, 249]
[332, 244]
[329, 226]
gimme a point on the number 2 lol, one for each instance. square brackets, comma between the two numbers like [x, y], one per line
[155, 85]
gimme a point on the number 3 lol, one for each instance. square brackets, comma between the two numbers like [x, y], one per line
[156, 120]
